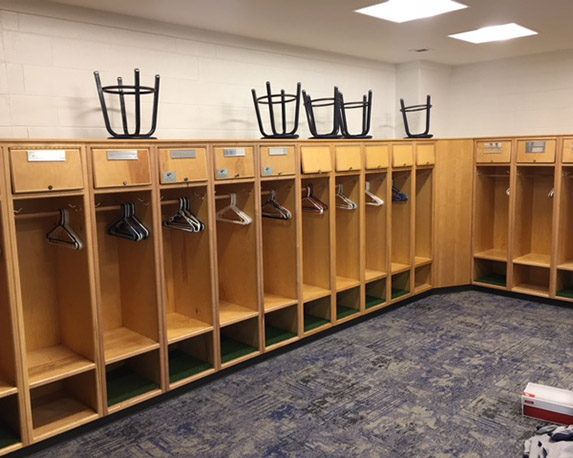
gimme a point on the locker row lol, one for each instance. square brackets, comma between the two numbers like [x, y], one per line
[132, 269]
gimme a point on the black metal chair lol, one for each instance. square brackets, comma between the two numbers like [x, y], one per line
[413, 108]
[136, 90]
[310, 105]
[277, 99]
[366, 105]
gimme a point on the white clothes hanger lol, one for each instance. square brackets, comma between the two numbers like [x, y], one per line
[376, 201]
[343, 201]
[233, 210]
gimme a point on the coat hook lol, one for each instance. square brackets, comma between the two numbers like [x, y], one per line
[551, 193]
[144, 202]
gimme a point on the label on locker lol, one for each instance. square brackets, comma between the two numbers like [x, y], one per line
[222, 173]
[170, 177]
[51, 155]
[123, 155]
[268, 171]
[493, 148]
[184, 154]
[235, 152]
[278, 151]
[535, 147]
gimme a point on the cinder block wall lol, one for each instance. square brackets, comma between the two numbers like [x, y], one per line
[49, 53]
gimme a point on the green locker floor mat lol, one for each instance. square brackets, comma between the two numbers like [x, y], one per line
[232, 349]
[124, 384]
[183, 365]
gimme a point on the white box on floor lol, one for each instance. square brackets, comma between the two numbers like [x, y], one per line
[547, 403]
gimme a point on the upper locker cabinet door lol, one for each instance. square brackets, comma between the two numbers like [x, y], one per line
[277, 161]
[234, 162]
[182, 165]
[377, 157]
[315, 159]
[536, 150]
[38, 170]
[402, 155]
[567, 150]
[425, 154]
[121, 167]
[348, 158]
[488, 152]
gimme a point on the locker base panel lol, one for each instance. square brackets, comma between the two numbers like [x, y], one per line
[493, 279]
[344, 312]
[8, 437]
[182, 365]
[567, 292]
[274, 335]
[232, 349]
[314, 322]
[372, 301]
[124, 384]
[396, 293]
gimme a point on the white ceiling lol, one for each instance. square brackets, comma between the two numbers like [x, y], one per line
[332, 25]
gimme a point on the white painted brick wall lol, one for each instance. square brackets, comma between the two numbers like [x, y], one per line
[49, 53]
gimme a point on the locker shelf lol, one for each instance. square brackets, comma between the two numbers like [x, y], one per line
[311, 292]
[63, 405]
[275, 302]
[7, 389]
[180, 327]
[531, 288]
[233, 313]
[371, 275]
[568, 265]
[398, 267]
[494, 254]
[343, 283]
[124, 383]
[59, 413]
[420, 261]
[534, 259]
[183, 365]
[54, 363]
[123, 343]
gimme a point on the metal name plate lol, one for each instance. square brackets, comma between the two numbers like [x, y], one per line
[184, 154]
[535, 147]
[169, 177]
[235, 152]
[493, 148]
[278, 151]
[123, 155]
[268, 171]
[51, 155]
[222, 173]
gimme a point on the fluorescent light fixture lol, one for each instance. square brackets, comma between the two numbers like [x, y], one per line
[494, 33]
[409, 10]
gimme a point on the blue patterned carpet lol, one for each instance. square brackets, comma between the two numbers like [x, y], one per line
[440, 377]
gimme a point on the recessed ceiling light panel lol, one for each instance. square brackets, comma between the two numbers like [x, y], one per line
[494, 33]
[409, 10]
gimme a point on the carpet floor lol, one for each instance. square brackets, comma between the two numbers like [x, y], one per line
[440, 377]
